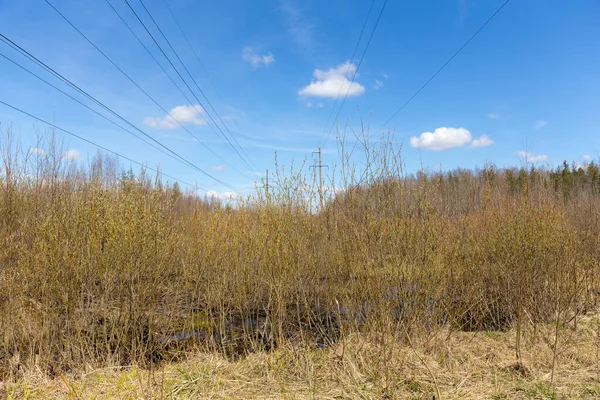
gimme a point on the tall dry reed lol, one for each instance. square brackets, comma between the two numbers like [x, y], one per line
[101, 266]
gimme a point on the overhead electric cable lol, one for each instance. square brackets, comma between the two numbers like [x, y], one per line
[196, 84]
[95, 144]
[350, 63]
[185, 82]
[131, 79]
[193, 51]
[356, 71]
[170, 78]
[443, 66]
[85, 105]
[24, 52]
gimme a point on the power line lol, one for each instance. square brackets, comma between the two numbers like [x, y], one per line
[132, 81]
[320, 165]
[84, 105]
[351, 61]
[193, 50]
[356, 71]
[95, 144]
[148, 51]
[49, 69]
[31, 57]
[173, 82]
[197, 86]
[443, 66]
[181, 77]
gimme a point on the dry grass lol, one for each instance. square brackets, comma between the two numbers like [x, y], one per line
[463, 365]
[435, 282]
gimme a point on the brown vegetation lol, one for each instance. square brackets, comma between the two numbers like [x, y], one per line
[100, 268]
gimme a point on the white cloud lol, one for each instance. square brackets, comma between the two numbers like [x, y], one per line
[540, 124]
[442, 139]
[310, 104]
[257, 60]
[218, 168]
[223, 196]
[586, 157]
[482, 141]
[333, 82]
[377, 84]
[178, 115]
[38, 151]
[532, 158]
[72, 155]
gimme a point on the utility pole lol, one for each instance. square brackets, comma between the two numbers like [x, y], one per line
[320, 166]
[267, 187]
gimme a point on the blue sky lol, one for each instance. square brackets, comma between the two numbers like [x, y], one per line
[529, 82]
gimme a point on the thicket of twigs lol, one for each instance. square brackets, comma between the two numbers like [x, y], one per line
[104, 267]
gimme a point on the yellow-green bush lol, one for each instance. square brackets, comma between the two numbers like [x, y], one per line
[101, 267]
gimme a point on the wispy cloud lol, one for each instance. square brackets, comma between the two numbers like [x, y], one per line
[377, 84]
[218, 168]
[586, 157]
[69, 155]
[186, 114]
[310, 104]
[447, 138]
[333, 82]
[462, 10]
[482, 141]
[257, 60]
[292, 149]
[289, 134]
[532, 158]
[233, 113]
[187, 138]
[223, 196]
[301, 30]
[540, 124]
[72, 155]
[495, 115]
